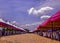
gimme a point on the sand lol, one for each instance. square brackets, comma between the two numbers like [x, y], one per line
[26, 38]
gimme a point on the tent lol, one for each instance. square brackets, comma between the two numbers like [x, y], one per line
[4, 24]
[52, 22]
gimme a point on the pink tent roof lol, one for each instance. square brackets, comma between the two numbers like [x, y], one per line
[3, 24]
[54, 17]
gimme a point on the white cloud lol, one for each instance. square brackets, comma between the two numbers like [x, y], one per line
[32, 24]
[46, 7]
[42, 10]
[1, 20]
[45, 16]
[13, 21]
[35, 12]
[30, 10]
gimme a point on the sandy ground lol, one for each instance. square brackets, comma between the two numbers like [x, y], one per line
[26, 38]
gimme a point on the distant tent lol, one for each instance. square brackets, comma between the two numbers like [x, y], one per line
[52, 22]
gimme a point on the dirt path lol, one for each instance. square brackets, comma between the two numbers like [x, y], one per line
[26, 38]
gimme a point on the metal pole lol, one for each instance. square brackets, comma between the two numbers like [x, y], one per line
[52, 29]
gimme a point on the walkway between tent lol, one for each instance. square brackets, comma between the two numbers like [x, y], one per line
[26, 38]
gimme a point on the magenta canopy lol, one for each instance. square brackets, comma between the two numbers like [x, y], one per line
[55, 17]
[4, 25]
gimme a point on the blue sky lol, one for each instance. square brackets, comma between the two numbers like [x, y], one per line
[18, 10]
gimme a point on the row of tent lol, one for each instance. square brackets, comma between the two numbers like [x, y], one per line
[52, 22]
[51, 27]
[7, 28]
